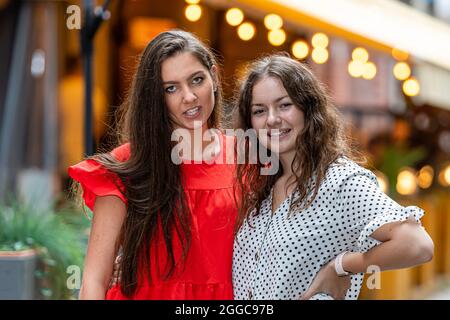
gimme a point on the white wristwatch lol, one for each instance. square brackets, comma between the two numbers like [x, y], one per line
[338, 265]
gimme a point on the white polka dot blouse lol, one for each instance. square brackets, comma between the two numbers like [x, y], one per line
[277, 255]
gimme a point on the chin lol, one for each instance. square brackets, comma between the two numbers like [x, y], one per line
[283, 149]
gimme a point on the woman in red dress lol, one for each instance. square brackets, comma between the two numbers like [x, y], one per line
[173, 222]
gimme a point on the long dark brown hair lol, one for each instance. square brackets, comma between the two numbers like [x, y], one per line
[321, 142]
[152, 182]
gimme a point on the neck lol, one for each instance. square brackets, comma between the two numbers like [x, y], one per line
[288, 178]
[286, 160]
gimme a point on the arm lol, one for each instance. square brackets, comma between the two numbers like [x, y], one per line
[404, 244]
[109, 214]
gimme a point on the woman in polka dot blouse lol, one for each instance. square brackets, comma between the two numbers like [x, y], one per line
[312, 229]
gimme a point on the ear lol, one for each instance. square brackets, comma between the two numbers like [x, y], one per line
[214, 76]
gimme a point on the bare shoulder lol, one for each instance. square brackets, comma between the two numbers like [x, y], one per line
[109, 210]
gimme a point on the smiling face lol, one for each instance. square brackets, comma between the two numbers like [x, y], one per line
[273, 110]
[188, 90]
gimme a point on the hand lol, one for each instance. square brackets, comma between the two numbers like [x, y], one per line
[327, 281]
[116, 273]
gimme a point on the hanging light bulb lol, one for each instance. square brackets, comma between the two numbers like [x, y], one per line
[444, 176]
[356, 68]
[401, 71]
[320, 55]
[234, 16]
[300, 49]
[425, 177]
[246, 31]
[360, 54]
[193, 12]
[411, 87]
[319, 40]
[276, 37]
[406, 182]
[273, 21]
[370, 71]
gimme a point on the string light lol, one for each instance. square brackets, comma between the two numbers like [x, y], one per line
[411, 87]
[300, 49]
[401, 71]
[276, 37]
[360, 54]
[356, 68]
[193, 12]
[444, 176]
[319, 40]
[320, 55]
[234, 16]
[370, 71]
[425, 177]
[273, 21]
[406, 182]
[246, 31]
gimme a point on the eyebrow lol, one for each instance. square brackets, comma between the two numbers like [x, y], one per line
[276, 100]
[189, 77]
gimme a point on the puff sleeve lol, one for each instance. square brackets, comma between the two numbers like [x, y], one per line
[366, 208]
[96, 180]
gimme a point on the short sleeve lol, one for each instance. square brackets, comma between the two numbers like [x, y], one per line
[96, 180]
[365, 208]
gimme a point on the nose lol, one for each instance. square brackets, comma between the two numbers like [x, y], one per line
[189, 96]
[273, 118]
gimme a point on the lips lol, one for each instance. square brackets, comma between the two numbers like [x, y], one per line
[192, 112]
[278, 133]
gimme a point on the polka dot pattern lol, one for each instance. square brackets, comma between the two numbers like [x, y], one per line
[277, 256]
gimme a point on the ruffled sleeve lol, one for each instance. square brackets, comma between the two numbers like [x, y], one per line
[366, 242]
[365, 208]
[96, 180]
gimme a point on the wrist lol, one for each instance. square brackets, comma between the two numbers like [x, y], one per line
[353, 262]
[338, 268]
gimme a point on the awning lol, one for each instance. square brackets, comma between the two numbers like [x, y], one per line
[380, 24]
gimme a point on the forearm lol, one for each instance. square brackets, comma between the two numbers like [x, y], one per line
[92, 291]
[389, 255]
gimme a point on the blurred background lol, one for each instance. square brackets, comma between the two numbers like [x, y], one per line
[386, 65]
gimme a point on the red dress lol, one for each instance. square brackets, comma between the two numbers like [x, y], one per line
[210, 196]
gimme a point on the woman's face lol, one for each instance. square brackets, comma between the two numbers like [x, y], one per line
[189, 90]
[273, 110]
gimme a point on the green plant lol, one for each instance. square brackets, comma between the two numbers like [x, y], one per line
[58, 237]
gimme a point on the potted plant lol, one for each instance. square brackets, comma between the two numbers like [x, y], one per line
[36, 249]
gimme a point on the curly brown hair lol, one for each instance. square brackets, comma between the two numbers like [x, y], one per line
[321, 142]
